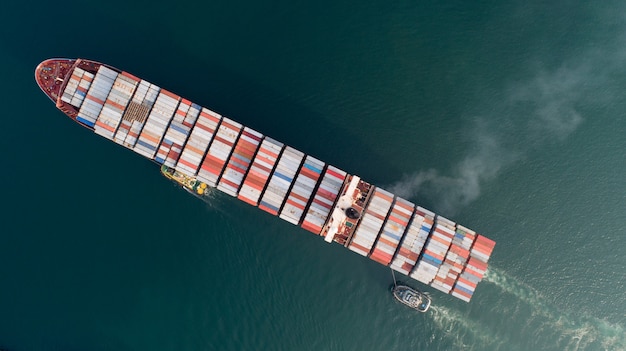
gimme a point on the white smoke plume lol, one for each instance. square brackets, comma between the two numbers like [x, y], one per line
[461, 188]
[545, 108]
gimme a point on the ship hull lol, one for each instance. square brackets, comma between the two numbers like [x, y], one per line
[201, 146]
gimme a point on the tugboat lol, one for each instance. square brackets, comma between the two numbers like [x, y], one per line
[190, 184]
[415, 299]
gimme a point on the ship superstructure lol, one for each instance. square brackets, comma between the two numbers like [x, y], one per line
[199, 146]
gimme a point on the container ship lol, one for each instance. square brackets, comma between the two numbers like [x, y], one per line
[201, 149]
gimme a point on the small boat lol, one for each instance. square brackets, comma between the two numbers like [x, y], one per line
[190, 184]
[415, 299]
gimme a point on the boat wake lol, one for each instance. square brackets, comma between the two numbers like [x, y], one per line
[573, 331]
[530, 321]
[468, 334]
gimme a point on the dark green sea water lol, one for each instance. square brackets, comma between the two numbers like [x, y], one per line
[506, 116]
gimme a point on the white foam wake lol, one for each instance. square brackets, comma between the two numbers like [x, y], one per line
[467, 334]
[574, 331]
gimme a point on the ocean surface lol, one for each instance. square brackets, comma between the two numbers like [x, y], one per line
[508, 117]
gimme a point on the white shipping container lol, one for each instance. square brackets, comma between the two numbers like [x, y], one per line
[107, 72]
[442, 237]
[71, 86]
[358, 250]
[76, 102]
[79, 71]
[457, 295]
[440, 288]
[427, 213]
[461, 228]
[444, 229]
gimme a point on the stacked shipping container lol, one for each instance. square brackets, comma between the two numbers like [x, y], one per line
[262, 167]
[219, 151]
[392, 231]
[475, 268]
[456, 259]
[199, 140]
[240, 161]
[77, 87]
[324, 199]
[281, 180]
[302, 190]
[156, 124]
[115, 104]
[72, 85]
[177, 133]
[433, 253]
[372, 222]
[136, 113]
[97, 94]
[413, 241]
[81, 90]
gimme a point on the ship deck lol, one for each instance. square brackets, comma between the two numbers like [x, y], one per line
[50, 76]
